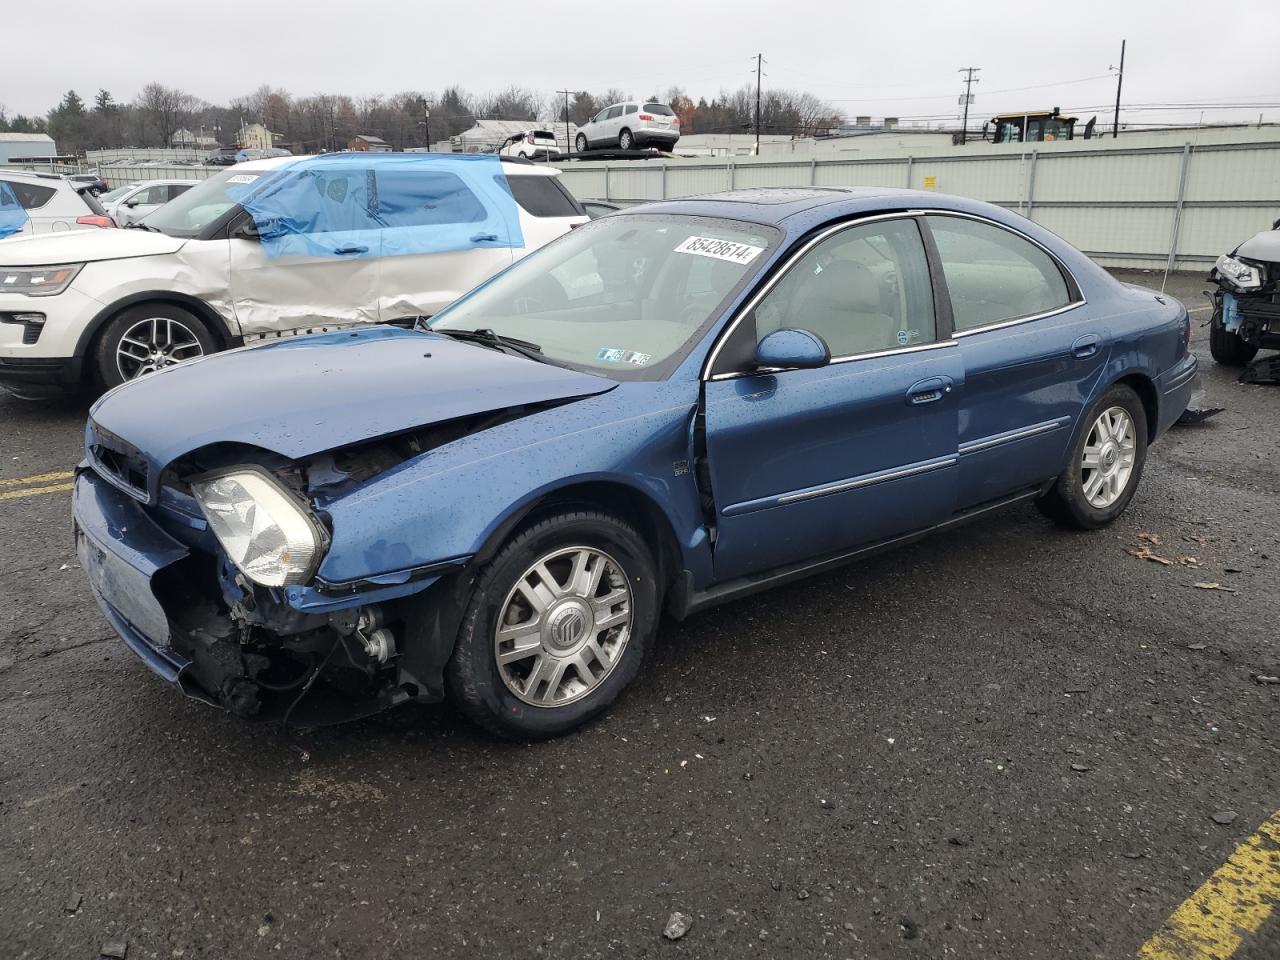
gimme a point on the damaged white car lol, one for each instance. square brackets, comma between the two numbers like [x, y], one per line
[268, 248]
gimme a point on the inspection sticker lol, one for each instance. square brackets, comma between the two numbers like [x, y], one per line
[243, 178]
[720, 249]
[619, 355]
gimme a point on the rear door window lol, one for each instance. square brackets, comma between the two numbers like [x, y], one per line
[417, 199]
[539, 196]
[631, 108]
[32, 196]
[994, 275]
[178, 189]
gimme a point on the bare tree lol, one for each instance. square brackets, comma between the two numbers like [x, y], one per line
[165, 109]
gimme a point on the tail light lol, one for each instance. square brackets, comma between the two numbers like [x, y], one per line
[95, 221]
[676, 121]
[528, 138]
[646, 116]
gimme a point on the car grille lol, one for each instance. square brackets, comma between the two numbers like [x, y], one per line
[119, 463]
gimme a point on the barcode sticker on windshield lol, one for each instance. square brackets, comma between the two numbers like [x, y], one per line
[243, 178]
[720, 249]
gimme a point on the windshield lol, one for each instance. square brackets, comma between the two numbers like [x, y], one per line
[625, 296]
[112, 195]
[189, 213]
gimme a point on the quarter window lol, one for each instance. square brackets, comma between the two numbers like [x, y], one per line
[32, 196]
[994, 275]
[863, 290]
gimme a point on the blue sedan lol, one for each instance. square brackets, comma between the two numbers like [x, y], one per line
[670, 407]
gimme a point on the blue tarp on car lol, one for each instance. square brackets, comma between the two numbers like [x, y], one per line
[13, 216]
[361, 205]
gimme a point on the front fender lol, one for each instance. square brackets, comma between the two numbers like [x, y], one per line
[449, 502]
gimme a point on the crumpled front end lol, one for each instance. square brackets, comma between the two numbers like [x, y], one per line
[170, 593]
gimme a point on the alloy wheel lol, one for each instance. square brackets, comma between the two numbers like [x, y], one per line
[564, 626]
[1106, 464]
[155, 343]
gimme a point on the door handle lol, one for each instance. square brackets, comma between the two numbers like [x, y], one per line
[928, 391]
[1086, 346]
[343, 251]
[484, 238]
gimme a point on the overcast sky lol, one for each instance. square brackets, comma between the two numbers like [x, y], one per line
[887, 58]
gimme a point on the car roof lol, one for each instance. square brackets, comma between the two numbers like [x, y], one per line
[774, 205]
[510, 165]
[34, 176]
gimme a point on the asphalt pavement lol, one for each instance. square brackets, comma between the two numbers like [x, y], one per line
[1007, 741]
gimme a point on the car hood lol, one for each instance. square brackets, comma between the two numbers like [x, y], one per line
[83, 246]
[305, 395]
[1264, 247]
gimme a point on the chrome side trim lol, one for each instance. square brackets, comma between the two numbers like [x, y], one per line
[1022, 433]
[936, 345]
[854, 483]
[1016, 321]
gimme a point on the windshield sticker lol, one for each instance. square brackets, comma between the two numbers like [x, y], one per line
[619, 355]
[243, 178]
[720, 249]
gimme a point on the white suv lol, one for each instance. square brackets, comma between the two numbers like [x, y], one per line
[46, 203]
[98, 308]
[531, 144]
[629, 125]
[126, 205]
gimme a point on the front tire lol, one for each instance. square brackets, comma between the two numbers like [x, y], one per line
[148, 337]
[1227, 348]
[581, 143]
[1105, 466]
[557, 626]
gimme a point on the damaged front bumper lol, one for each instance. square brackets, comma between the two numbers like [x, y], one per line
[258, 654]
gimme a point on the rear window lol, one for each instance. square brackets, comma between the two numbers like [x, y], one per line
[416, 198]
[543, 135]
[31, 196]
[540, 196]
[658, 108]
[92, 203]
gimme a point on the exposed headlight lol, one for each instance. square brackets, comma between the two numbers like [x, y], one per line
[1243, 276]
[267, 533]
[38, 281]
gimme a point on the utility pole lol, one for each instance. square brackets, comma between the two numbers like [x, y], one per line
[759, 64]
[568, 147]
[969, 81]
[426, 123]
[1115, 129]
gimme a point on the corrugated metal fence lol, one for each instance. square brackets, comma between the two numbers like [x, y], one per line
[1146, 207]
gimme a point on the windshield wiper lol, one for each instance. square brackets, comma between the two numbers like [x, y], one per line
[487, 337]
[139, 225]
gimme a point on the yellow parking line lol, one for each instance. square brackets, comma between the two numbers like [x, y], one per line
[1232, 904]
[38, 478]
[32, 491]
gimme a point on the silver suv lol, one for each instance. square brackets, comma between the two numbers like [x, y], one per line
[39, 203]
[630, 125]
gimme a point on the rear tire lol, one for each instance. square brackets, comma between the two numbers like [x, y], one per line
[1228, 348]
[625, 140]
[148, 337]
[1105, 466]
[572, 668]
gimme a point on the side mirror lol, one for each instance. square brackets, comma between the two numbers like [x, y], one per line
[796, 349]
[247, 230]
[1276, 225]
[131, 203]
